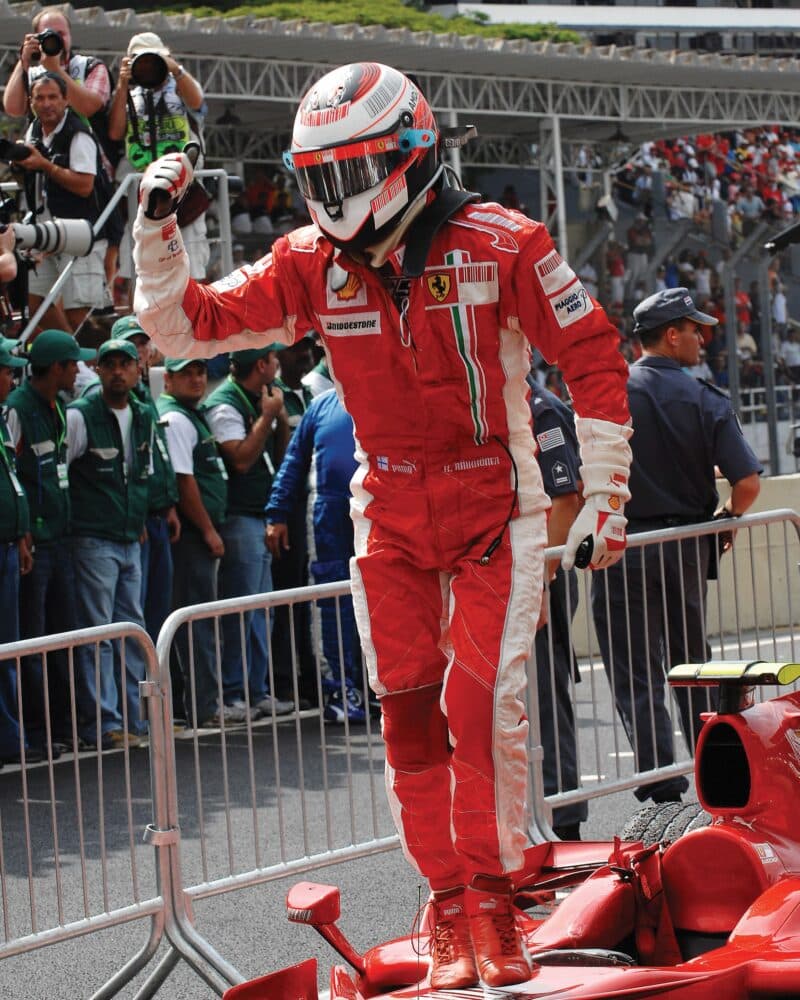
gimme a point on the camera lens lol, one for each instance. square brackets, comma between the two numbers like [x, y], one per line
[13, 151]
[50, 42]
[149, 70]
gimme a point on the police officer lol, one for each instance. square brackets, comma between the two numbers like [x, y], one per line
[558, 457]
[649, 612]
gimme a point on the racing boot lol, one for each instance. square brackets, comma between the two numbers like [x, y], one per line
[452, 961]
[500, 952]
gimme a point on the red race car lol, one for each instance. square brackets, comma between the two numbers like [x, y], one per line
[712, 915]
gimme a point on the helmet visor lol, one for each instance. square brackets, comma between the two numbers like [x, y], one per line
[339, 172]
[332, 178]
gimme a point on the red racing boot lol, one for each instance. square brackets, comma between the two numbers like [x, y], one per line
[452, 961]
[499, 949]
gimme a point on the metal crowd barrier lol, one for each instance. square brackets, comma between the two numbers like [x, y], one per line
[299, 778]
[72, 855]
[278, 796]
[751, 612]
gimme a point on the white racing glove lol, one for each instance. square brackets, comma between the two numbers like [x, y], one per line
[597, 537]
[164, 184]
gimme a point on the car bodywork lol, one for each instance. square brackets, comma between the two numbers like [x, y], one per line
[713, 915]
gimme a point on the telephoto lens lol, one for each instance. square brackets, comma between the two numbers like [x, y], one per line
[72, 236]
[50, 42]
[13, 151]
[149, 70]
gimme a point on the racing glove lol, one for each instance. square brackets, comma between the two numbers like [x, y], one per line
[597, 537]
[164, 184]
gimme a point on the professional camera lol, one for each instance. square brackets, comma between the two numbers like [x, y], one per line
[50, 42]
[149, 70]
[13, 152]
[72, 236]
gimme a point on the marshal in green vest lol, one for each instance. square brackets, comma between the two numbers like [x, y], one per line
[42, 462]
[14, 521]
[248, 492]
[163, 486]
[209, 470]
[108, 499]
[295, 407]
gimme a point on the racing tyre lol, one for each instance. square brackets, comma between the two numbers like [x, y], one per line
[664, 821]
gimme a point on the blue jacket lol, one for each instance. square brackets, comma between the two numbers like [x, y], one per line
[321, 456]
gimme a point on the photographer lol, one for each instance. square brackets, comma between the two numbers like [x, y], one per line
[48, 49]
[62, 170]
[157, 108]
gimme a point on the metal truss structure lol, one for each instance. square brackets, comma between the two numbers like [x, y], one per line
[532, 102]
[512, 105]
[261, 95]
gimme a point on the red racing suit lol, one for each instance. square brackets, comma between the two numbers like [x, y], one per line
[448, 504]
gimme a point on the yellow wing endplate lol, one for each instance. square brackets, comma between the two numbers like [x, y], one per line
[744, 672]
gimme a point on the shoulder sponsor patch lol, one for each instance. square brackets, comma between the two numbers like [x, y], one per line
[571, 305]
[501, 238]
[554, 273]
[495, 219]
[361, 324]
[553, 438]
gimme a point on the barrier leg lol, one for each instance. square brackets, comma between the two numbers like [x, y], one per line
[135, 964]
[158, 977]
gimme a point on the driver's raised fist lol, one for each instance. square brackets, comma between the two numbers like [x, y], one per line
[164, 184]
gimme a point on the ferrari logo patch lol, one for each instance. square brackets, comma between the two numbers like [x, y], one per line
[439, 286]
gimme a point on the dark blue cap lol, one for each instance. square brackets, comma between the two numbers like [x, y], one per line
[667, 306]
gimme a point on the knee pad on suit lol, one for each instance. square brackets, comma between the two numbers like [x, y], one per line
[415, 729]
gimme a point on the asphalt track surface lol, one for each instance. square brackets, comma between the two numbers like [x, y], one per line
[380, 893]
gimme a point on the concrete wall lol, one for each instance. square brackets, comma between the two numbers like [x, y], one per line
[759, 584]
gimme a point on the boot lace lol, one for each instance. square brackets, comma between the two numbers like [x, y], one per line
[506, 930]
[443, 944]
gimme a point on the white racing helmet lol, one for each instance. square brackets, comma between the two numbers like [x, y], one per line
[364, 147]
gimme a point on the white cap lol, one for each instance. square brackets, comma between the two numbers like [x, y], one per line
[146, 41]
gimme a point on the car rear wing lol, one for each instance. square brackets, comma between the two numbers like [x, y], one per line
[736, 679]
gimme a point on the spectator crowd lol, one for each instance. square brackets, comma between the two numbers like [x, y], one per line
[745, 178]
[121, 508]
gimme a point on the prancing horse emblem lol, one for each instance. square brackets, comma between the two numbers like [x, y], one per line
[439, 286]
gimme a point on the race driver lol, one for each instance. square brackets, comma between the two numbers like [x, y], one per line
[428, 302]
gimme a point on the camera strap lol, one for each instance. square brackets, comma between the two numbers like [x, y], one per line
[152, 123]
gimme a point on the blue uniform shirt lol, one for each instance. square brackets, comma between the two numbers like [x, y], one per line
[554, 429]
[325, 434]
[682, 428]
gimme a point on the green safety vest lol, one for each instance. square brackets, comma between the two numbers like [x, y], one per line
[108, 499]
[158, 123]
[294, 407]
[207, 465]
[162, 485]
[14, 521]
[42, 462]
[248, 492]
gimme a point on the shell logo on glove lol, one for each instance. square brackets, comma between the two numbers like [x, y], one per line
[614, 502]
